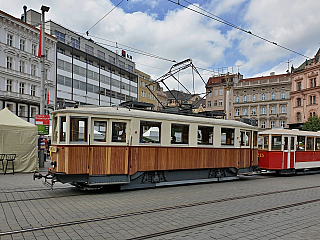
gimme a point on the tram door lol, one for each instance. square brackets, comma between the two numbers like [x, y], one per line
[288, 152]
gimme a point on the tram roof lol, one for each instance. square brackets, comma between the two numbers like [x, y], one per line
[290, 132]
[135, 113]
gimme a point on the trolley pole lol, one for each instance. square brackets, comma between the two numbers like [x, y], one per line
[43, 72]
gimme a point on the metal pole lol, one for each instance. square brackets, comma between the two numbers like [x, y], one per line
[227, 103]
[42, 91]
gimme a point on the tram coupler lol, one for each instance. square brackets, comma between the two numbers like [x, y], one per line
[47, 177]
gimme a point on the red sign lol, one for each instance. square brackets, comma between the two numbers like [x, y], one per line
[42, 119]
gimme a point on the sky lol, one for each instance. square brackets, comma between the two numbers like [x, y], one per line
[169, 30]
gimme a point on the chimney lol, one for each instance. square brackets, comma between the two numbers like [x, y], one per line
[272, 73]
[25, 13]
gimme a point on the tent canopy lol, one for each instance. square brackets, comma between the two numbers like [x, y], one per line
[21, 138]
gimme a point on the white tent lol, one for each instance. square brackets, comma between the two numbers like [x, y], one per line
[21, 138]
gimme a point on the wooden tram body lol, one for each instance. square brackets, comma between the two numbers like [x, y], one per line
[289, 151]
[95, 146]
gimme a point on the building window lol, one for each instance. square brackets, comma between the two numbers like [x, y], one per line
[75, 43]
[253, 97]
[298, 102]
[60, 50]
[209, 103]
[33, 70]
[299, 86]
[237, 99]
[22, 44]
[9, 85]
[88, 49]
[112, 59]
[179, 134]
[220, 103]
[263, 124]
[34, 49]
[273, 96]
[245, 111]
[101, 55]
[21, 88]
[9, 62]
[283, 109]
[22, 66]
[253, 111]
[60, 36]
[312, 82]
[216, 92]
[283, 124]
[33, 90]
[273, 110]
[9, 40]
[46, 54]
[209, 94]
[237, 112]
[215, 103]
[272, 124]
[283, 95]
[121, 64]
[244, 98]
[46, 74]
[263, 97]
[130, 68]
[298, 117]
[312, 99]
[205, 135]
[263, 110]
[227, 136]
[143, 94]
[220, 92]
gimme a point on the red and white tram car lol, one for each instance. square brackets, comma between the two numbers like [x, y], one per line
[289, 151]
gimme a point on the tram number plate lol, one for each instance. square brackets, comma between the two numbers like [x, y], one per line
[260, 155]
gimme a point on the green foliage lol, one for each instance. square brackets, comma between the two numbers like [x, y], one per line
[313, 124]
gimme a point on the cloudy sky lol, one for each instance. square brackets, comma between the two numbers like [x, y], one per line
[173, 32]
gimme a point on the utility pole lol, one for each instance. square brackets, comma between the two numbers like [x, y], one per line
[43, 72]
[228, 86]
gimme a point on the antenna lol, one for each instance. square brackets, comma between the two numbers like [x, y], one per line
[289, 61]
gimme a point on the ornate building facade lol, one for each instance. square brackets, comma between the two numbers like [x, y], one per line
[305, 93]
[264, 101]
[20, 68]
[144, 94]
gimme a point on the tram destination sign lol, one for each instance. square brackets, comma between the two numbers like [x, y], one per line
[43, 122]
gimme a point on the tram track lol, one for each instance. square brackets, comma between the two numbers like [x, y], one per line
[131, 214]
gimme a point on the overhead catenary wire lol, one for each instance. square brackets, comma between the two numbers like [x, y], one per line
[218, 19]
[104, 16]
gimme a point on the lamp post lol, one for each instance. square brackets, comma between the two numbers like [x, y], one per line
[42, 91]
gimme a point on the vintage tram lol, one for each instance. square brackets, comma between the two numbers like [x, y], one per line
[289, 151]
[96, 146]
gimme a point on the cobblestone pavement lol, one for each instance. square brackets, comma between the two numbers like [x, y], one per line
[28, 204]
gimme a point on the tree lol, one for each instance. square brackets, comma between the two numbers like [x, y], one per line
[313, 124]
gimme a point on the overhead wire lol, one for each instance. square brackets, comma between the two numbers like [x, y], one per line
[104, 16]
[218, 19]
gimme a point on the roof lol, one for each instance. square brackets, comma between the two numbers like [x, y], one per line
[265, 77]
[290, 132]
[28, 25]
[8, 119]
[134, 113]
[307, 62]
[179, 95]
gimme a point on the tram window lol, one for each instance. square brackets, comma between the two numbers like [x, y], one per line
[255, 139]
[63, 129]
[292, 143]
[100, 131]
[265, 142]
[301, 143]
[310, 143]
[119, 131]
[179, 134]
[245, 136]
[227, 136]
[317, 143]
[54, 129]
[205, 135]
[286, 140]
[150, 132]
[78, 129]
[275, 142]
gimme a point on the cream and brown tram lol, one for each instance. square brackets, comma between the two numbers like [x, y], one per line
[96, 146]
